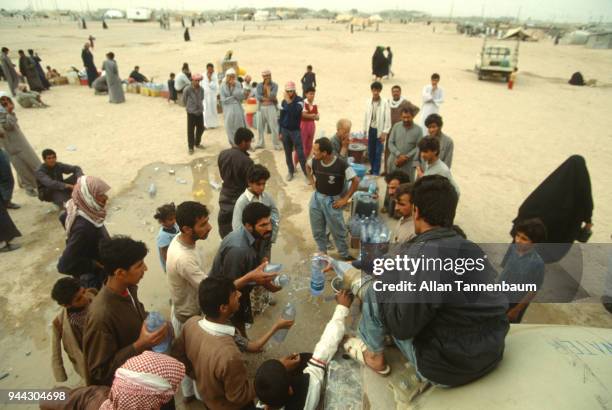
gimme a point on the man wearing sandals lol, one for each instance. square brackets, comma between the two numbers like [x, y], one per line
[451, 337]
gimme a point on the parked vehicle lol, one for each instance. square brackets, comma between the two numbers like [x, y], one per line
[497, 59]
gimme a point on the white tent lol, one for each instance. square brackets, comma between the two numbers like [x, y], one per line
[375, 18]
[343, 18]
[114, 14]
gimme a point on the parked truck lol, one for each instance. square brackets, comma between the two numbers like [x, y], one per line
[497, 59]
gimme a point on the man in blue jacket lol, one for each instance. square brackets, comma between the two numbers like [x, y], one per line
[290, 119]
[451, 335]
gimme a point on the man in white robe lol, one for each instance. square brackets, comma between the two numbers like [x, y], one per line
[433, 97]
[210, 84]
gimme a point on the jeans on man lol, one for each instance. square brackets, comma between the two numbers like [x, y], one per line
[375, 150]
[291, 139]
[372, 331]
[323, 215]
[195, 129]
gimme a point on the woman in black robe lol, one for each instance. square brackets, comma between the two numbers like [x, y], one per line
[41, 73]
[380, 64]
[563, 201]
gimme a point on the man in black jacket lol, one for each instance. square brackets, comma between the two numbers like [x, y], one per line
[450, 335]
[52, 186]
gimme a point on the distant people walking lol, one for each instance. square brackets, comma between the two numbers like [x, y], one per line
[115, 87]
[265, 93]
[433, 97]
[193, 96]
[380, 64]
[88, 63]
[231, 100]
[27, 67]
[210, 84]
[8, 68]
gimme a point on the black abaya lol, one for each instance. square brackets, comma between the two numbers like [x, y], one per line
[563, 201]
[8, 230]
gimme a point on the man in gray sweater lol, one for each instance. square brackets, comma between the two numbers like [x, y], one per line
[403, 141]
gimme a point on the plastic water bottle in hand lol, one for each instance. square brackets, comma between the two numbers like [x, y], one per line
[154, 321]
[281, 280]
[288, 314]
[317, 277]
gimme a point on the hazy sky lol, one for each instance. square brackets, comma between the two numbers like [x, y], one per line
[557, 10]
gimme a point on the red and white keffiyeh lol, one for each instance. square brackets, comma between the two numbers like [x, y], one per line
[84, 202]
[145, 382]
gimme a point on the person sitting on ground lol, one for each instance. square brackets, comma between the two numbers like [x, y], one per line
[144, 382]
[404, 230]
[429, 149]
[136, 77]
[68, 326]
[280, 387]
[29, 99]
[51, 73]
[450, 338]
[116, 328]
[166, 216]
[341, 140]
[100, 85]
[523, 265]
[393, 180]
[52, 186]
[207, 346]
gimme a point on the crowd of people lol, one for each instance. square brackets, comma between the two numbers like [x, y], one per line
[104, 327]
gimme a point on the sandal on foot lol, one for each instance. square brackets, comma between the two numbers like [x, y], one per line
[355, 347]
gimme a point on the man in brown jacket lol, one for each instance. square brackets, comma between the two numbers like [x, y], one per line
[115, 328]
[207, 346]
[68, 325]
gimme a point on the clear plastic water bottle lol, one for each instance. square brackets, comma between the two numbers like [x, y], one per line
[281, 280]
[152, 190]
[288, 314]
[154, 321]
[372, 188]
[317, 277]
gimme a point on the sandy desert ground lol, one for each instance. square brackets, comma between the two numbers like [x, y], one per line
[506, 143]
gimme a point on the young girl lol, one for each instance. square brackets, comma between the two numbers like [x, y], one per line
[310, 114]
[166, 216]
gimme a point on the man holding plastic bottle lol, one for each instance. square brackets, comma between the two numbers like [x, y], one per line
[116, 328]
[242, 258]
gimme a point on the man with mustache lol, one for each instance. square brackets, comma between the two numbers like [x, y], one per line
[241, 257]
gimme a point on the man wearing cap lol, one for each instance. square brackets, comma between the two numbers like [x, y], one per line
[268, 114]
[193, 95]
[290, 119]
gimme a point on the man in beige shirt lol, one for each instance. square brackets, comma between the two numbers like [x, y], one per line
[404, 230]
[184, 266]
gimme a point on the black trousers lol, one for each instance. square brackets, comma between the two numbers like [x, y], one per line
[195, 129]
